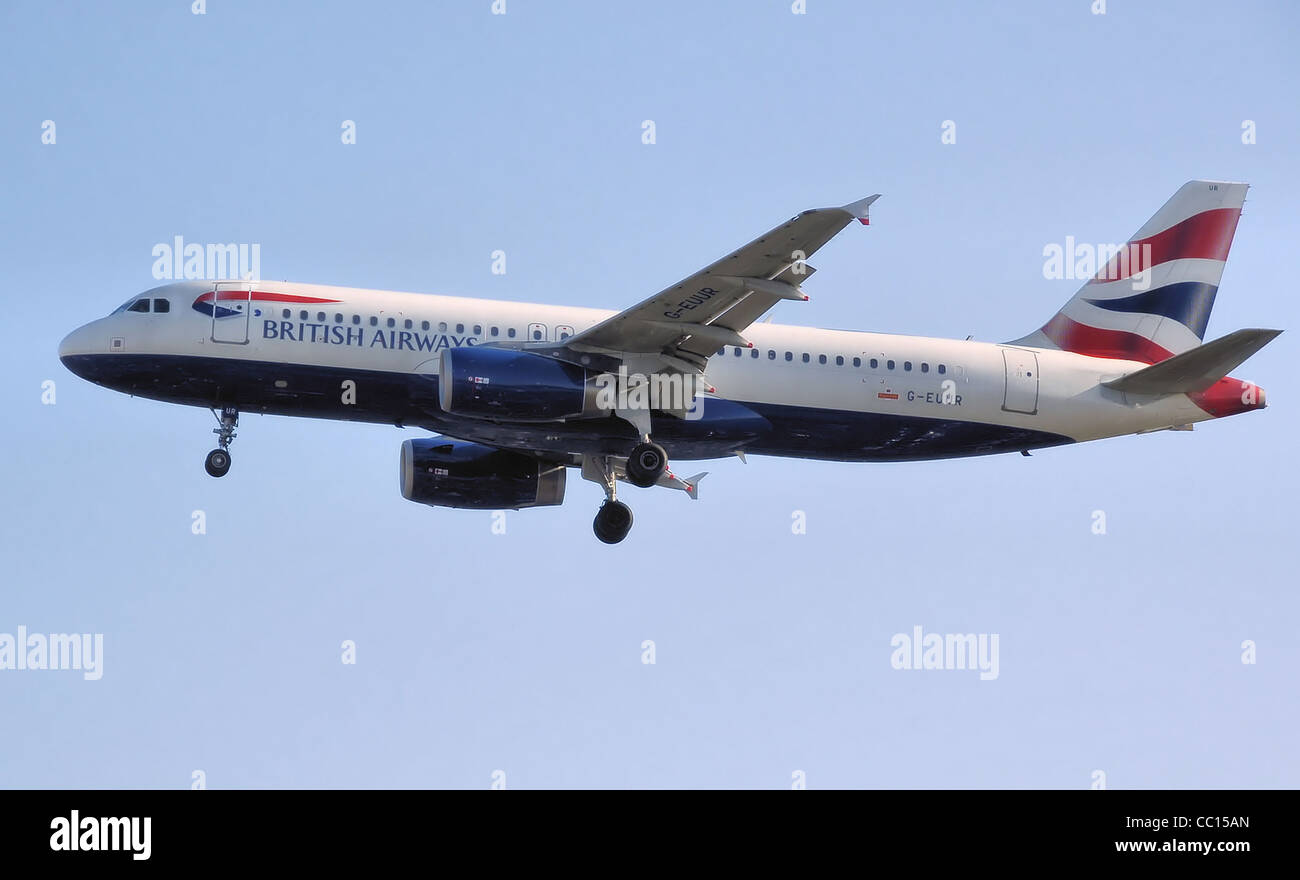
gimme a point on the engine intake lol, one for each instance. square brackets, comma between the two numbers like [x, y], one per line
[501, 383]
[453, 473]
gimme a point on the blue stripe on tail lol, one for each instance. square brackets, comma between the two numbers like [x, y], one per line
[1187, 302]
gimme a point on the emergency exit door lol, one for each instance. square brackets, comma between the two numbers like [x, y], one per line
[1021, 393]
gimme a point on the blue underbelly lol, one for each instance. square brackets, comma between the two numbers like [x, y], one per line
[411, 399]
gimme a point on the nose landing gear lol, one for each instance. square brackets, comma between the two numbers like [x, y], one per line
[218, 461]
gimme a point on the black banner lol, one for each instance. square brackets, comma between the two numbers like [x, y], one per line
[364, 827]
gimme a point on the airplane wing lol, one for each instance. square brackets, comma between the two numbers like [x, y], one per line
[699, 315]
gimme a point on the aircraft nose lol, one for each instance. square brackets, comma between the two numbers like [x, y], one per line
[83, 349]
[74, 343]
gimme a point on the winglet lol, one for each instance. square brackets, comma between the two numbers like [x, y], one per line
[858, 209]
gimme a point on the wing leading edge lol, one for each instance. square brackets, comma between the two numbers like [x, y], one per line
[695, 317]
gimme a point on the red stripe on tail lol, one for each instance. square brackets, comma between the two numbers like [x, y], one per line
[1096, 342]
[1203, 236]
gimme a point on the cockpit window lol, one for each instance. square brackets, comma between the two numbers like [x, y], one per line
[161, 305]
[140, 305]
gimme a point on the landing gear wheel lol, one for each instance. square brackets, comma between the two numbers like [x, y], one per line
[217, 463]
[646, 464]
[613, 522]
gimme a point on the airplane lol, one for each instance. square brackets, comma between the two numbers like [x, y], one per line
[516, 394]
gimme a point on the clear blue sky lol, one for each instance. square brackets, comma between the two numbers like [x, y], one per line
[522, 652]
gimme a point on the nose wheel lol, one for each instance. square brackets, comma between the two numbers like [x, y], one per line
[218, 461]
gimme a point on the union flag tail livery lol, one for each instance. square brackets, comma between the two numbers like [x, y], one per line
[1152, 299]
[525, 393]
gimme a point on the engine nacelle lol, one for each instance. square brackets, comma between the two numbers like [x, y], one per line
[508, 385]
[453, 473]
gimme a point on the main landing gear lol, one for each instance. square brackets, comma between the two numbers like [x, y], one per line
[218, 460]
[644, 467]
[613, 521]
[646, 464]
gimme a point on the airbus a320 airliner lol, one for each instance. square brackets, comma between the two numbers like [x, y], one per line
[520, 393]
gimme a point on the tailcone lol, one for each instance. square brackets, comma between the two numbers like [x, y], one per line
[1230, 396]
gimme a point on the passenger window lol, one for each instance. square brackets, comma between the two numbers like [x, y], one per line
[511, 332]
[537, 334]
[889, 364]
[737, 352]
[753, 352]
[789, 355]
[392, 322]
[771, 354]
[874, 363]
[320, 317]
[478, 329]
[442, 326]
[286, 313]
[356, 319]
[821, 358]
[161, 306]
[460, 328]
[424, 325]
[925, 368]
[907, 365]
[140, 305]
[338, 318]
[496, 331]
[408, 324]
[839, 360]
[374, 322]
[302, 316]
[857, 362]
[942, 369]
[805, 357]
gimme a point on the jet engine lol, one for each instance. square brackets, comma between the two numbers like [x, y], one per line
[453, 473]
[507, 385]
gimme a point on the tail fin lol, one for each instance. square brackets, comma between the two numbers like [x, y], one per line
[1152, 299]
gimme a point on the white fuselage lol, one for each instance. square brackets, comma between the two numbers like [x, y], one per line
[349, 329]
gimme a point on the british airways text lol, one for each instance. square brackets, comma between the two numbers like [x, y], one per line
[378, 337]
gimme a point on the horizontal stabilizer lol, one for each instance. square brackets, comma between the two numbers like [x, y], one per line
[1198, 368]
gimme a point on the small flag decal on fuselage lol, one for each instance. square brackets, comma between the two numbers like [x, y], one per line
[887, 395]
